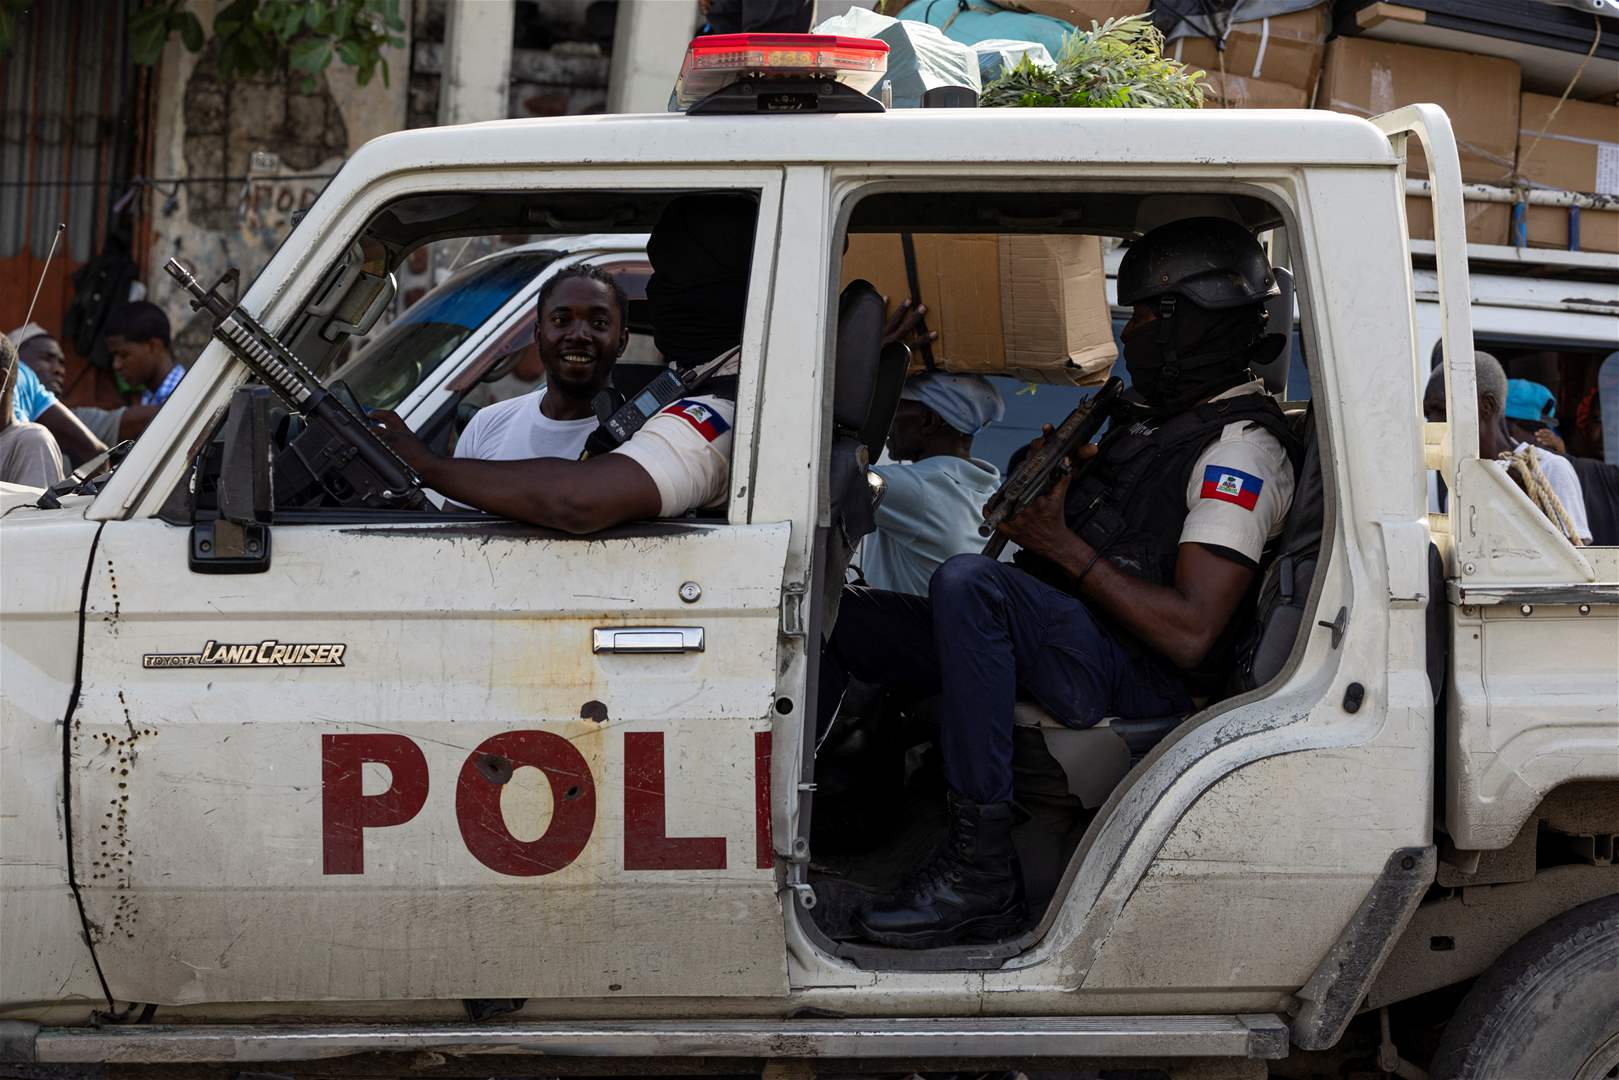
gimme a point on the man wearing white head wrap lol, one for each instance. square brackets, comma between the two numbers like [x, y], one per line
[34, 403]
[935, 501]
[28, 454]
[43, 353]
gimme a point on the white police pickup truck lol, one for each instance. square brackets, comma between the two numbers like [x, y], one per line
[404, 781]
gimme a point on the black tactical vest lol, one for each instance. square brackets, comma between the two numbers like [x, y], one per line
[1130, 505]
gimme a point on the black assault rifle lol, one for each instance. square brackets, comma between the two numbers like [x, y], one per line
[1031, 479]
[337, 456]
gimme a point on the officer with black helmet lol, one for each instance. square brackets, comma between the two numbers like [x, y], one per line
[1134, 583]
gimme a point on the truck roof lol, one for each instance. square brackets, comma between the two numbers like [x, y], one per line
[1055, 136]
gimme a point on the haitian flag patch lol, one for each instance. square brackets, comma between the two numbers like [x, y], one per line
[709, 424]
[1231, 485]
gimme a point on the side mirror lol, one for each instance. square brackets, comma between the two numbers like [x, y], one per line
[234, 537]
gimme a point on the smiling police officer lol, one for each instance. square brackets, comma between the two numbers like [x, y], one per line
[1134, 583]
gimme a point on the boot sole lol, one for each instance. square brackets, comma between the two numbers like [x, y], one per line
[975, 931]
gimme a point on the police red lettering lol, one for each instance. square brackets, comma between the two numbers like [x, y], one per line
[647, 843]
[483, 824]
[345, 808]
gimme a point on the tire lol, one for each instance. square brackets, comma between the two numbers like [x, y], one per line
[1547, 1010]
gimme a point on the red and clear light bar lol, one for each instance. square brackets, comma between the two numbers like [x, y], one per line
[716, 61]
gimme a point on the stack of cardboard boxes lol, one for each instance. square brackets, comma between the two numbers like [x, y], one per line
[1579, 151]
[1496, 128]
[1266, 64]
[1479, 93]
[1505, 137]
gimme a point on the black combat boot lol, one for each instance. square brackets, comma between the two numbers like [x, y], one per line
[970, 890]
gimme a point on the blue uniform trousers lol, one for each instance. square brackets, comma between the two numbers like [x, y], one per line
[986, 634]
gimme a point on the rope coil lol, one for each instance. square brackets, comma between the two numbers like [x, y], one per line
[1524, 466]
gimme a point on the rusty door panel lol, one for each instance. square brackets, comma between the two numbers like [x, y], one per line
[392, 767]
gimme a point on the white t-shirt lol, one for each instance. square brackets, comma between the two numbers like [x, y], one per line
[516, 430]
[1240, 488]
[1565, 484]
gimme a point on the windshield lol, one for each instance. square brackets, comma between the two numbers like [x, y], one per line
[429, 331]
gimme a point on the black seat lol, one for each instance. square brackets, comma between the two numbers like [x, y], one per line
[867, 379]
[1285, 588]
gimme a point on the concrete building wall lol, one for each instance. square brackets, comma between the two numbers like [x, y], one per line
[254, 152]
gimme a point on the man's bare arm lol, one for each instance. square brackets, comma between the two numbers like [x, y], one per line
[574, 496]
[135, 420]
[76, 440]
[1180, 621]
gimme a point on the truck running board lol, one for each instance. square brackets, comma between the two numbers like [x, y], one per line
[1253, 1036]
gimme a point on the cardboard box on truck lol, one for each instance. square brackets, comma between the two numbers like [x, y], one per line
[1030, 306]
[1479, 93]
[1487, 223]
[1283, 52]
[1578, 152]
[1236, 92]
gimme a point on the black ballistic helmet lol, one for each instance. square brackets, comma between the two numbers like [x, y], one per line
[1212, 262]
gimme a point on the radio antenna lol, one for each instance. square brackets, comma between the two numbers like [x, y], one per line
[60, 229]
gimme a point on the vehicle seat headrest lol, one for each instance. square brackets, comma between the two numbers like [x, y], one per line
[859, 344]
[1275, 351]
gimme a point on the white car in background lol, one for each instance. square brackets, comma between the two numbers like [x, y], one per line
[474, 327]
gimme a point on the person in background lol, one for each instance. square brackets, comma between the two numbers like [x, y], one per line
[28, 453]
[42, 352]
[138, 339]
[1531, 414]
[1497, 443]
[580, 331]
[935, 495]
[32, 403]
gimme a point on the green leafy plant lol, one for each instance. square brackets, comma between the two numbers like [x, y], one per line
[257, 37]
[1119, 64]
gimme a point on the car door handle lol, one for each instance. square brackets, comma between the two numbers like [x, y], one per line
[646, 639]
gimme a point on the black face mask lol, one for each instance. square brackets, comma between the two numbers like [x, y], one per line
[698, 293]
[1177, 361]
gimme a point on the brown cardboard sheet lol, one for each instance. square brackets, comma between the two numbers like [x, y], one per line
[1479, 93]
[1029, 306]
[1578, 152]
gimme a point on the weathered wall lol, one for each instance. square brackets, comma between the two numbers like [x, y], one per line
[253, 152]
[560, 57]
